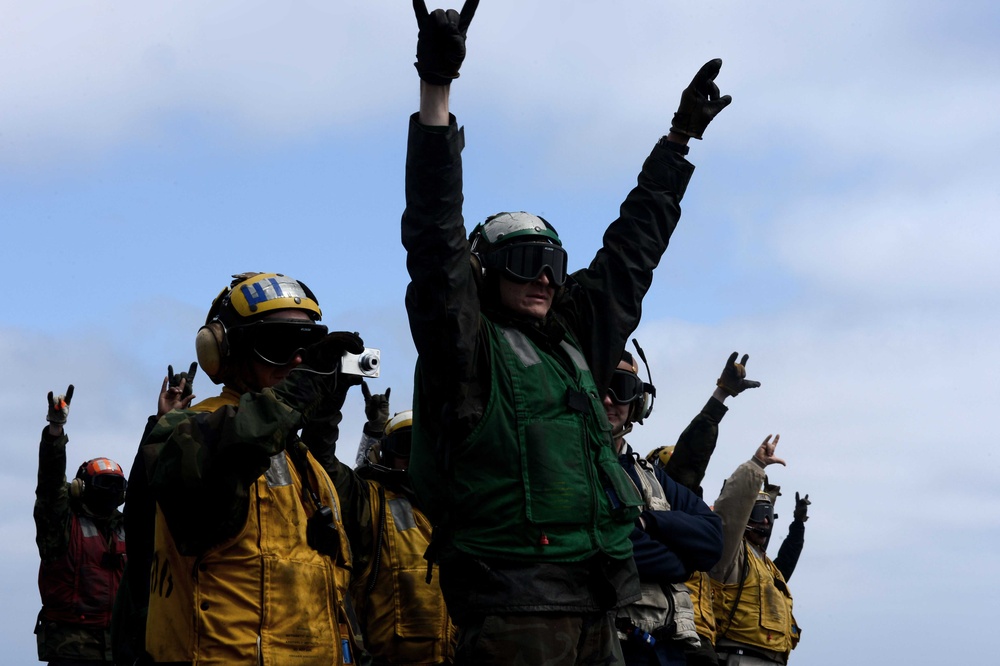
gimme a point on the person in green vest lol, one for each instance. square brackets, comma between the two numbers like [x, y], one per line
[512, 457]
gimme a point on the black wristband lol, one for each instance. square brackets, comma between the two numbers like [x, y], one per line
[673, 145]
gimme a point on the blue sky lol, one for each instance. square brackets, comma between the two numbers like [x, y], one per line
[841, 227]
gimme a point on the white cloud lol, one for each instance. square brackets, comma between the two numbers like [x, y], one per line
[928, 243]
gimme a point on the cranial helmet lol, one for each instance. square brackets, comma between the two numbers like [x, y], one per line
[519, 246]
[100, 484]
[248, 300]
[660, 455]
[763, 509]
[395, 441]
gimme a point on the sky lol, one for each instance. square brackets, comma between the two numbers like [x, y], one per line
[840, 227]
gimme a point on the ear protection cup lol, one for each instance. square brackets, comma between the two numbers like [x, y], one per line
[640, 409]
[77, 488]
[212, 347]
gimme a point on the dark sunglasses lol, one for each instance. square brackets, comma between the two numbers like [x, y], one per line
[625, 387]
[278, 342]
[525, 262]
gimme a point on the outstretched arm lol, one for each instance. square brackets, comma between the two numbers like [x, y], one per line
[696, 444]
[791, 547]
[442, 300]
[440, 53]
[603, 303]
[52, 510]
[735, 502]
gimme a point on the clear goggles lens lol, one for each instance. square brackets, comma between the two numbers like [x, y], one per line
[625, 387]
[278, 342]
[525, 262]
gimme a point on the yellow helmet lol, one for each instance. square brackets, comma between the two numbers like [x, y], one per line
[395, 441]
[249, 298]
[659, 456]
[252, 295]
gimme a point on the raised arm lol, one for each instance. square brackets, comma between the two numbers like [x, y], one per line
[442, 301]
[52, 510]
[696, 444]
[735, 502]
[607, 296]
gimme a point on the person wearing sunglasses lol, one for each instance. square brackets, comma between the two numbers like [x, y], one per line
[512, 456]
[250, 558]
[752, 602]
[676, 535]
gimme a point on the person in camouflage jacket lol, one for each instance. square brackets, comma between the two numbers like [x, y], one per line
[81, 543]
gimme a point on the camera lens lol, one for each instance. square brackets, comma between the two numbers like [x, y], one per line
[368, 362]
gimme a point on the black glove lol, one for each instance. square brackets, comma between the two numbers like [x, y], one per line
[773, 490]
[441, 41]
[175, 380]
[700, 102]
[733, 378]
[59, 407]
[801, 508]
[325, 355]
[376, 411]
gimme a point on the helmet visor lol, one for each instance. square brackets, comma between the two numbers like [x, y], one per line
[625, 387]
[525, 262]
[277, 342]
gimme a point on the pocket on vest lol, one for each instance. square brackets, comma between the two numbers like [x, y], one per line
[557, 486]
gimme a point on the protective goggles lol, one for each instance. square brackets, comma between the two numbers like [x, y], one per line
[625, 387]
[108, 482]
[278, 342]
[762, 511]
[525, 262]
[398, 443]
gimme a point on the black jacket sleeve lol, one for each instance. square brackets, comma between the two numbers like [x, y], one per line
[320, 435]
[695, 447]
[52, 510]
[791, 548]
[678, 542]
[602, 303]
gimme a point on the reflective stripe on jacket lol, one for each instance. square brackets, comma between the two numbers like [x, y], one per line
[264, 595]
[656, 609]
[537, 479]
[405, 619]
[80, 586]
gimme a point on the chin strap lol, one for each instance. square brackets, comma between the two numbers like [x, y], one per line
[622, 430]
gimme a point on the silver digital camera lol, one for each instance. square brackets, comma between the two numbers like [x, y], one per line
[365, 364]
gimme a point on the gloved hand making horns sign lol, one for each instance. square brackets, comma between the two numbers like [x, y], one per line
[733, 378]
[700, 102]
[441, 41]
[59, 407]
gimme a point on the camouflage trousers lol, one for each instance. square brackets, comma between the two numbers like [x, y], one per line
[542, 639]
[68, 644]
